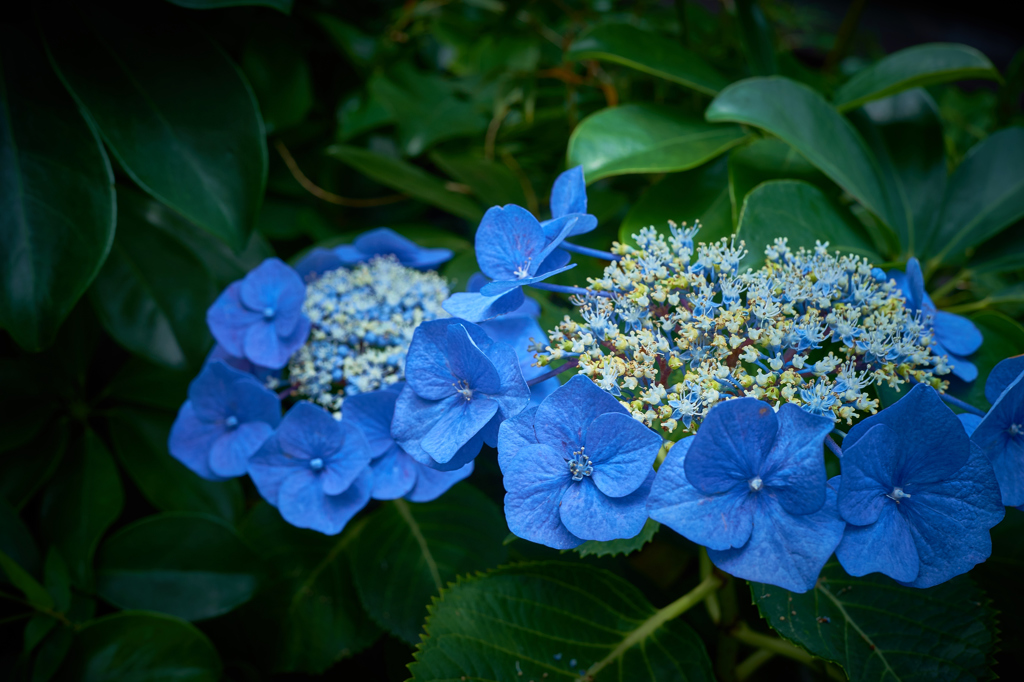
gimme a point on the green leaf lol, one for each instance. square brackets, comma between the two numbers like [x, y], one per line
[25, 469]
[284, 6]
[405, 177]
[16, 540]
[1003, 337]
[360, 114]
[35, 593]
[985, 195]
[545, 620]
[57, 580]
[274, 64]
[135, 645]
[617, 547]
[408, 552]
[140, 441]
[648, 52]
[139, 382]
[178, 116]
[1001, 569]
[189, 565]
[646, 138]
[878, 630]
[756, 38]
[768, 159]
[803, 119]
[1004, 253]
[51, 654]
[152, 293]
[80, 503]
[493, 183]
[798, 211]
[912, 68]
[360, 48]
[700, 194]
[57, 193]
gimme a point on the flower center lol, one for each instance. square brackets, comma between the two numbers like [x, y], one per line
[231, 422]
[316, 464]
[268, 313]
[1016, 429]
[579, 465]
[523, 270]
[462, 388]
[755, 483]
[897, 494]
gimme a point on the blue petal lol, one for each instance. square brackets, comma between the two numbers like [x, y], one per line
[885, 545]
[394, 474]
[229, 320]
[870, 469]
[384, 240]
[536, 478]
[915, 282]
[556, 260]
[1001, 376]
[429, 259]
[427, 371]
[518, 331]
[961, 368]
[477, 307]
[970, 422]
[501, 287]
[569, 193]
[717, 521]
[514, 393]
[304, 504]
[431, 484]
[957, 334]
[623, 451]
[275, 285]
[349, 255]
[469, 363]
[191, 440]
[564, 227]
[372, 413]
[508, 240]
[516, 434]
[351, 458]
[308, 431]
[270, 466]
[230, 453]
[731, 444]
[588, 513]
[794, 469]
[563, 417]
[457, 424]
[584, 223]
[211, 390]
[317, 262]
[264, 347]
[903, 284]
[539, 392]
[1005, 450]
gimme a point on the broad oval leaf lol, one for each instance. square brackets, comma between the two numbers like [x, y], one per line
[756, 38]
[913, 67]
[617, 547]
[57, 193]
[646, 138]
[188, 565]
[985, 195]
[769, 159]
[801, 117]
[648, 52]
[408, 552]
[878, 630]
[798, 211]
[137, 645]
[545, 620]
[176, 113]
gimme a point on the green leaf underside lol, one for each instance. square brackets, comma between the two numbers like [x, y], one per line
[521, 621]
[878, 630]
[914, 67]
[617, 547]
[646, 138]
[407, 552]
[647, 52]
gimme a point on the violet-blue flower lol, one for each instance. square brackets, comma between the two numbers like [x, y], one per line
[918, 497]
[750, 486]
[227, 417]
[520, 332]
[955, 337]
[1000, 433]
[395, 473]
[384, 241]
[460, 385]
[314, 469]
[569, 197]
[260, 316]
[576, 468]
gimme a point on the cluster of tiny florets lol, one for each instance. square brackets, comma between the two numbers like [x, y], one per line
[362, 322]
[672, 328]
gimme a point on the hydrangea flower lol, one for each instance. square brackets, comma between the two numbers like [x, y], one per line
[576, 468]
[227, 417]
[314, 469]
[524, 335]
[260, 316]
[385, 241]
[955, 337]
[1001, 376]
[569, 198]
[460, 385]
[395, 473]
[918, 497]
[1000, 434]
[750, 486]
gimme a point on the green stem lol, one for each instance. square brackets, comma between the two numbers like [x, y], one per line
[969, 307]
[749, 666]
[711, 601]
[743, 633]
[56, 615]
[950, 284]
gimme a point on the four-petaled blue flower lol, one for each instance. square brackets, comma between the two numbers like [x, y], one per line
[227, 417]
[395, 473]
[750, 486]
[460, 385]
[955, 337]
[576, 468]
[919, 498]
[260, 317]
[1000, 434]
[314, 469]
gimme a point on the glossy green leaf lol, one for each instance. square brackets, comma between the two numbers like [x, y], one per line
[359, 114]
[768, 159]
[878, 630]
[646, 138]
[1003, 253]
[140, 441]
[648, 52]
[24, 470]
[985, 195]
[525, 621]
[16, 540]
[152, 293]
[57, 580]
[1003, 337]
[756, 38]
[136, 645]
[34, 593]
[274, 63]
[799, 212]
[405, 177]
[141, 383]
[281, 5]
[700, 194]
[914, 67]
[803, 119]
[189, 565]
[79, 504]
[191, 135]
[617, 547]
[493, 183]
[57, 193]
[408, 552]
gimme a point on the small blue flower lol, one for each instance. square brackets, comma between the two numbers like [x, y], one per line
[1000, 434]
[955, 336]
[395, 473]
[261, 374]
[517, 330]
[750, 486]
[260, 317]
[569, 198]
[384, 241]
[576, 468]
[227, 417]
[460, 385]
[314, 469]
[919, 498]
